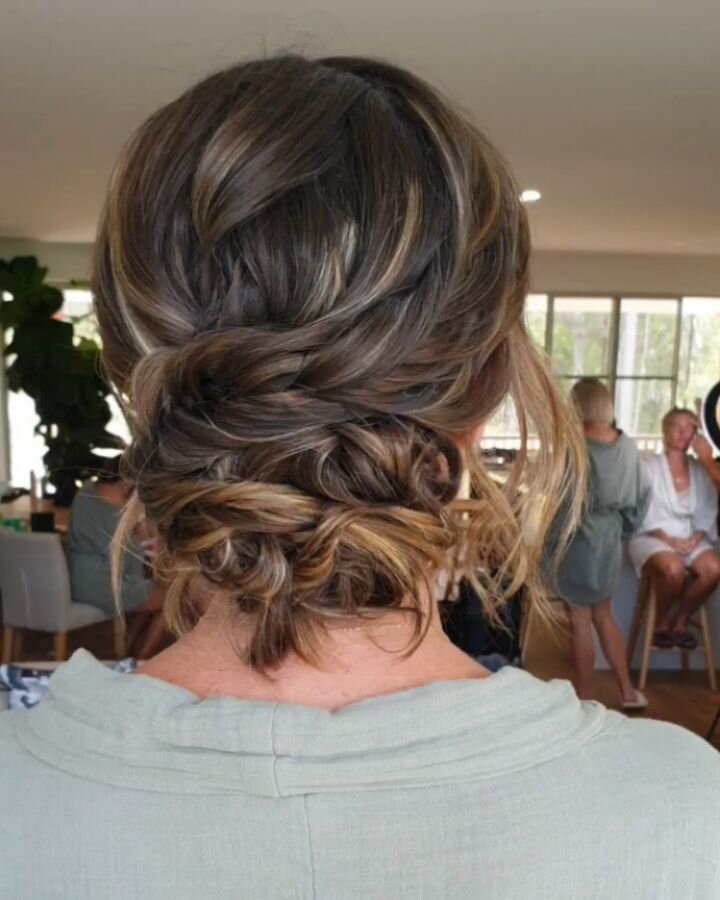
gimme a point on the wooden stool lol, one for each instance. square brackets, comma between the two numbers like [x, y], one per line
[711, 730]
[526, 617]
[645, 611]
[527, 623]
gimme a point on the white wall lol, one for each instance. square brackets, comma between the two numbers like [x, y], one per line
[551, 270]
[65, 262]
[617, 273]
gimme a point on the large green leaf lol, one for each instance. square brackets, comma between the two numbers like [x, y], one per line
[13, 379]
[21, 276]
[45, 343]
[10, 313]
[45, 302]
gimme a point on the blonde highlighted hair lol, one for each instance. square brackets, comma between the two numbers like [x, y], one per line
[593, 401]
[310, 278]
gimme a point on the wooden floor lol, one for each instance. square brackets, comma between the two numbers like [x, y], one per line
[682, 698]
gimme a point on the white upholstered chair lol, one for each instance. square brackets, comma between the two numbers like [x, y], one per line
[36, 596]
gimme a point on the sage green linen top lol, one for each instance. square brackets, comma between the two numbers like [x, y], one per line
[618, 494]
[122, 786]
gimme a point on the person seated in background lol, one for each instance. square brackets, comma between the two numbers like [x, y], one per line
[93, 520]
[588, 575]
[674, 545]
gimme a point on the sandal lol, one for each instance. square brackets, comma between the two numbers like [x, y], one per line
[685, 640]
[639, 702]
[663, 639]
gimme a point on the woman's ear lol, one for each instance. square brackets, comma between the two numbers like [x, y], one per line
[470, 438]
[477, 434]
[464, 441]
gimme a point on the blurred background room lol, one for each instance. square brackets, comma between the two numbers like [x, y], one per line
[607, 113]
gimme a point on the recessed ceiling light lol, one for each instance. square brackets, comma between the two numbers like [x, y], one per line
[530, 196]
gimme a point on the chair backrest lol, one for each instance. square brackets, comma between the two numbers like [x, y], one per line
[34, 581]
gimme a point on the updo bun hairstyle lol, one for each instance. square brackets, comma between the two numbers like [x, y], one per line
[310, 278]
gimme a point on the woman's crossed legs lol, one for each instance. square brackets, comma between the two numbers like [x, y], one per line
[680, 591]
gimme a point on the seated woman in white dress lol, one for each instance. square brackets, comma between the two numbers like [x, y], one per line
[675, 543]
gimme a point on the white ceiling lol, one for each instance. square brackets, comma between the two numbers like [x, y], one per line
[609, 107]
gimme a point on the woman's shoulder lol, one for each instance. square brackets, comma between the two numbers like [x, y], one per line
[88, 506]
[627, 446]
[661, 739]
[698, 467]
[660, 760]
[603, 453]
[658, 784]
[702, 478]
[652, 461]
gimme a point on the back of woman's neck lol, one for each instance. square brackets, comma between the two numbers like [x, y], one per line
[354, 665]
[599, 431]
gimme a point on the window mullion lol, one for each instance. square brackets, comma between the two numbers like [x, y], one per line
[614, 344]
[549, 322]
[676, 352]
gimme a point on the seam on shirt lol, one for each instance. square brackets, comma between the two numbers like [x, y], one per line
[311, 854]
[272, 750]
[54, 748]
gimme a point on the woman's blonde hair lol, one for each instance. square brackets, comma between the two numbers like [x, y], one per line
[593, 401]
[310, 278]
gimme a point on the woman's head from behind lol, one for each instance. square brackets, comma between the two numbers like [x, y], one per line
[593, 401]
[310, 278]
[679, 427]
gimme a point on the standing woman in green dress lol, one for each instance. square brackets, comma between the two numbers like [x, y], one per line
[589, 573]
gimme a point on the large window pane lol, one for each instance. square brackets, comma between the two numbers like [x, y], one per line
[78, 308]
[640, 405]
[699, 362]
[647, 337]
[502, 430]
[581, 335]
[536, 317]
[27, 448]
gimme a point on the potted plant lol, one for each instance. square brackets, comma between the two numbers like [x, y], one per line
[60, 371]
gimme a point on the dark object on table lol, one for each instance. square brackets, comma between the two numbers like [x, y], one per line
[13, 494]
[465, 624]
[499, 455]
[65, 494]
[43, 522]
